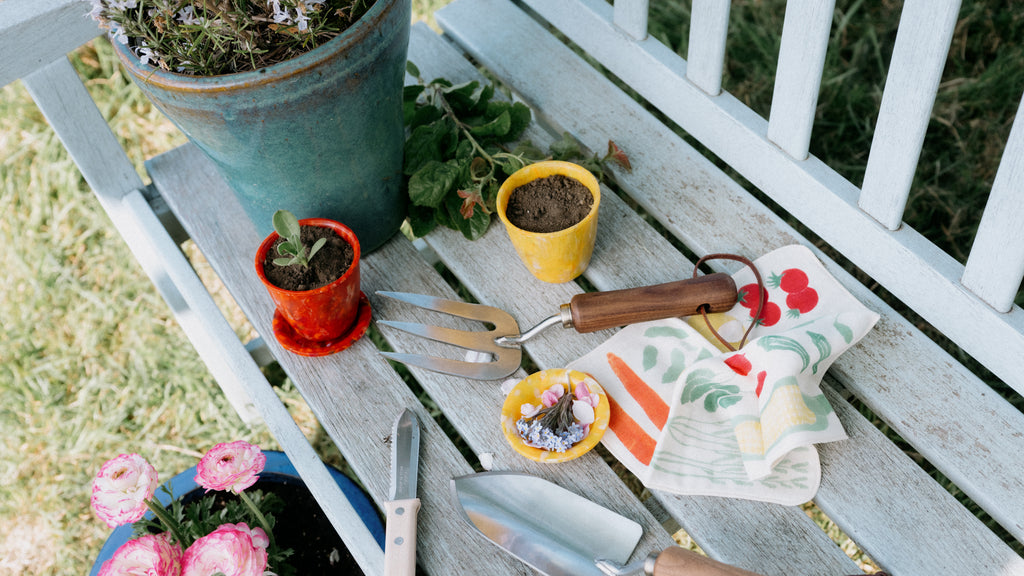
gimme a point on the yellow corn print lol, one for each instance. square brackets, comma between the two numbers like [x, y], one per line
[748, 434]
[785, 410]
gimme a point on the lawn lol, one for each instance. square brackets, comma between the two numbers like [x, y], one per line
[92, 363]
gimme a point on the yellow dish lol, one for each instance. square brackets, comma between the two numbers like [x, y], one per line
[529, 391]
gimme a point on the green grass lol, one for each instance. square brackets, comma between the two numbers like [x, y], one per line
[92, 363]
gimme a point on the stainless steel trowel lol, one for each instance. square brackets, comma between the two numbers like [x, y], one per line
[559, 533]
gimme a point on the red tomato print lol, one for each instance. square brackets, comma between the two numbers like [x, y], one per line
[760, 382]
[792, 280]
[770, 314]
[748, 296]
[739, 364]
[802, 302]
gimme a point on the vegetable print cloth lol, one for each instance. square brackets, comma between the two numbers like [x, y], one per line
[691, 417]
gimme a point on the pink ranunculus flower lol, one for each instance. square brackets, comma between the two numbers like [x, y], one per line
[230, 466]
[149, 555]
[121, 488]
[229, 550]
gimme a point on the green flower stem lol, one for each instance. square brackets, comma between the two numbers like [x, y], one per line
[161, 513]
[259, 516]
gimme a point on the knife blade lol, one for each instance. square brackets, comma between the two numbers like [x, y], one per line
[403, 505]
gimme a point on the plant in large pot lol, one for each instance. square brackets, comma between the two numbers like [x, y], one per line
[297, 102]
[310, 268]
[239, 512]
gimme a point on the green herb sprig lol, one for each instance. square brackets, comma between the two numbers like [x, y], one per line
[287, 226]
[457, 152]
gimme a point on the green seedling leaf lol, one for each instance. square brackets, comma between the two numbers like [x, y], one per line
[509, 163]
[421, 220]
[497, 127]
[316, 247]
[287, 225]
[430, 185]
[429, 142]
[411, 69]
[521, 118]
[566, 148]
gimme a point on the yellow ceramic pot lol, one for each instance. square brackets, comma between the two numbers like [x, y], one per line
[554, 256]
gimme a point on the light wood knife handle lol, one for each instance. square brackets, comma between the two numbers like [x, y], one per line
[592, 311]
[400, 537]
[678, 561]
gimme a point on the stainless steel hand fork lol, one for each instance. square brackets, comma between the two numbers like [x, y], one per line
[586, 312]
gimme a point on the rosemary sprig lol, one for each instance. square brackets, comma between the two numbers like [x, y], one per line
[557, 417]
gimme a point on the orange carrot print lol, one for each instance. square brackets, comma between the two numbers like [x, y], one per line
[632, 436]
[652, 404]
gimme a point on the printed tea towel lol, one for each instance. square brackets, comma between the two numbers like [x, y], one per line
[690, 417]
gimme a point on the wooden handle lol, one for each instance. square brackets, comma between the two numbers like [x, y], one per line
[400, 537]
[682, 562]
[594, 311]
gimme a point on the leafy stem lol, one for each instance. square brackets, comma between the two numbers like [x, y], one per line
[161, 513]
[457, 152]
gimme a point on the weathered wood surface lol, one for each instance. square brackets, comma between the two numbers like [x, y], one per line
[23, 23]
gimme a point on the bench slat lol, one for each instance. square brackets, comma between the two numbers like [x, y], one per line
[995, 265]
[686, 193]
[922, 43]
[709, 25]
[24, 22]
[805, 36]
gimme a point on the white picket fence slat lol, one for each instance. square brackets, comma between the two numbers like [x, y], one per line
[709, 26]
[922, 43]
[995, 266]
[805, 37]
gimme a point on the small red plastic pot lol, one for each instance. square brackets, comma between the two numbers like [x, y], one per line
[323, 320]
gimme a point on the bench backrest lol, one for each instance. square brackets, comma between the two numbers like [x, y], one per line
[971, 304]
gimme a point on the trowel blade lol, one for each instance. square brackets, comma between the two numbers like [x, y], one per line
[555, 531]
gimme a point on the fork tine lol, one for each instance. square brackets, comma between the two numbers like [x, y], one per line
[501, 319]
[506, 365]
[482, 340]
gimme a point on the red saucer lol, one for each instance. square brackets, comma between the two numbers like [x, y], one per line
[293, 342]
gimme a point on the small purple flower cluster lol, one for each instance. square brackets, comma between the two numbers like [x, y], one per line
[538, 436]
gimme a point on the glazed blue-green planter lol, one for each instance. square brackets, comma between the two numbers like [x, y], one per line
[320, 135]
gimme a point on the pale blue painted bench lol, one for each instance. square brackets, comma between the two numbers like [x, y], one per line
[885, 501]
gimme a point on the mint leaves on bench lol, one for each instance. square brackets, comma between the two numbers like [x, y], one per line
[457, 152]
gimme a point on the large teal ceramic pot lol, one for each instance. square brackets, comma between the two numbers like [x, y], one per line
[320, 135]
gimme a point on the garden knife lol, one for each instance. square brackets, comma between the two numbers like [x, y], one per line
[560, 533]
[403, 505]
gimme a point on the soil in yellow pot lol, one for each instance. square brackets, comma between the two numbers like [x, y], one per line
[552, 256]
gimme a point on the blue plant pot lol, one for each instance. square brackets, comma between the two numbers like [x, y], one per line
[320, 135]
[277, 469]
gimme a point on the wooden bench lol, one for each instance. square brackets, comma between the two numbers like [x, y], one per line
[883, 499]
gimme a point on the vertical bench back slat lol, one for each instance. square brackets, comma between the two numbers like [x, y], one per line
[709, 25]
[798, 77]
[631, 16]
[995, 265]
[922, 43]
